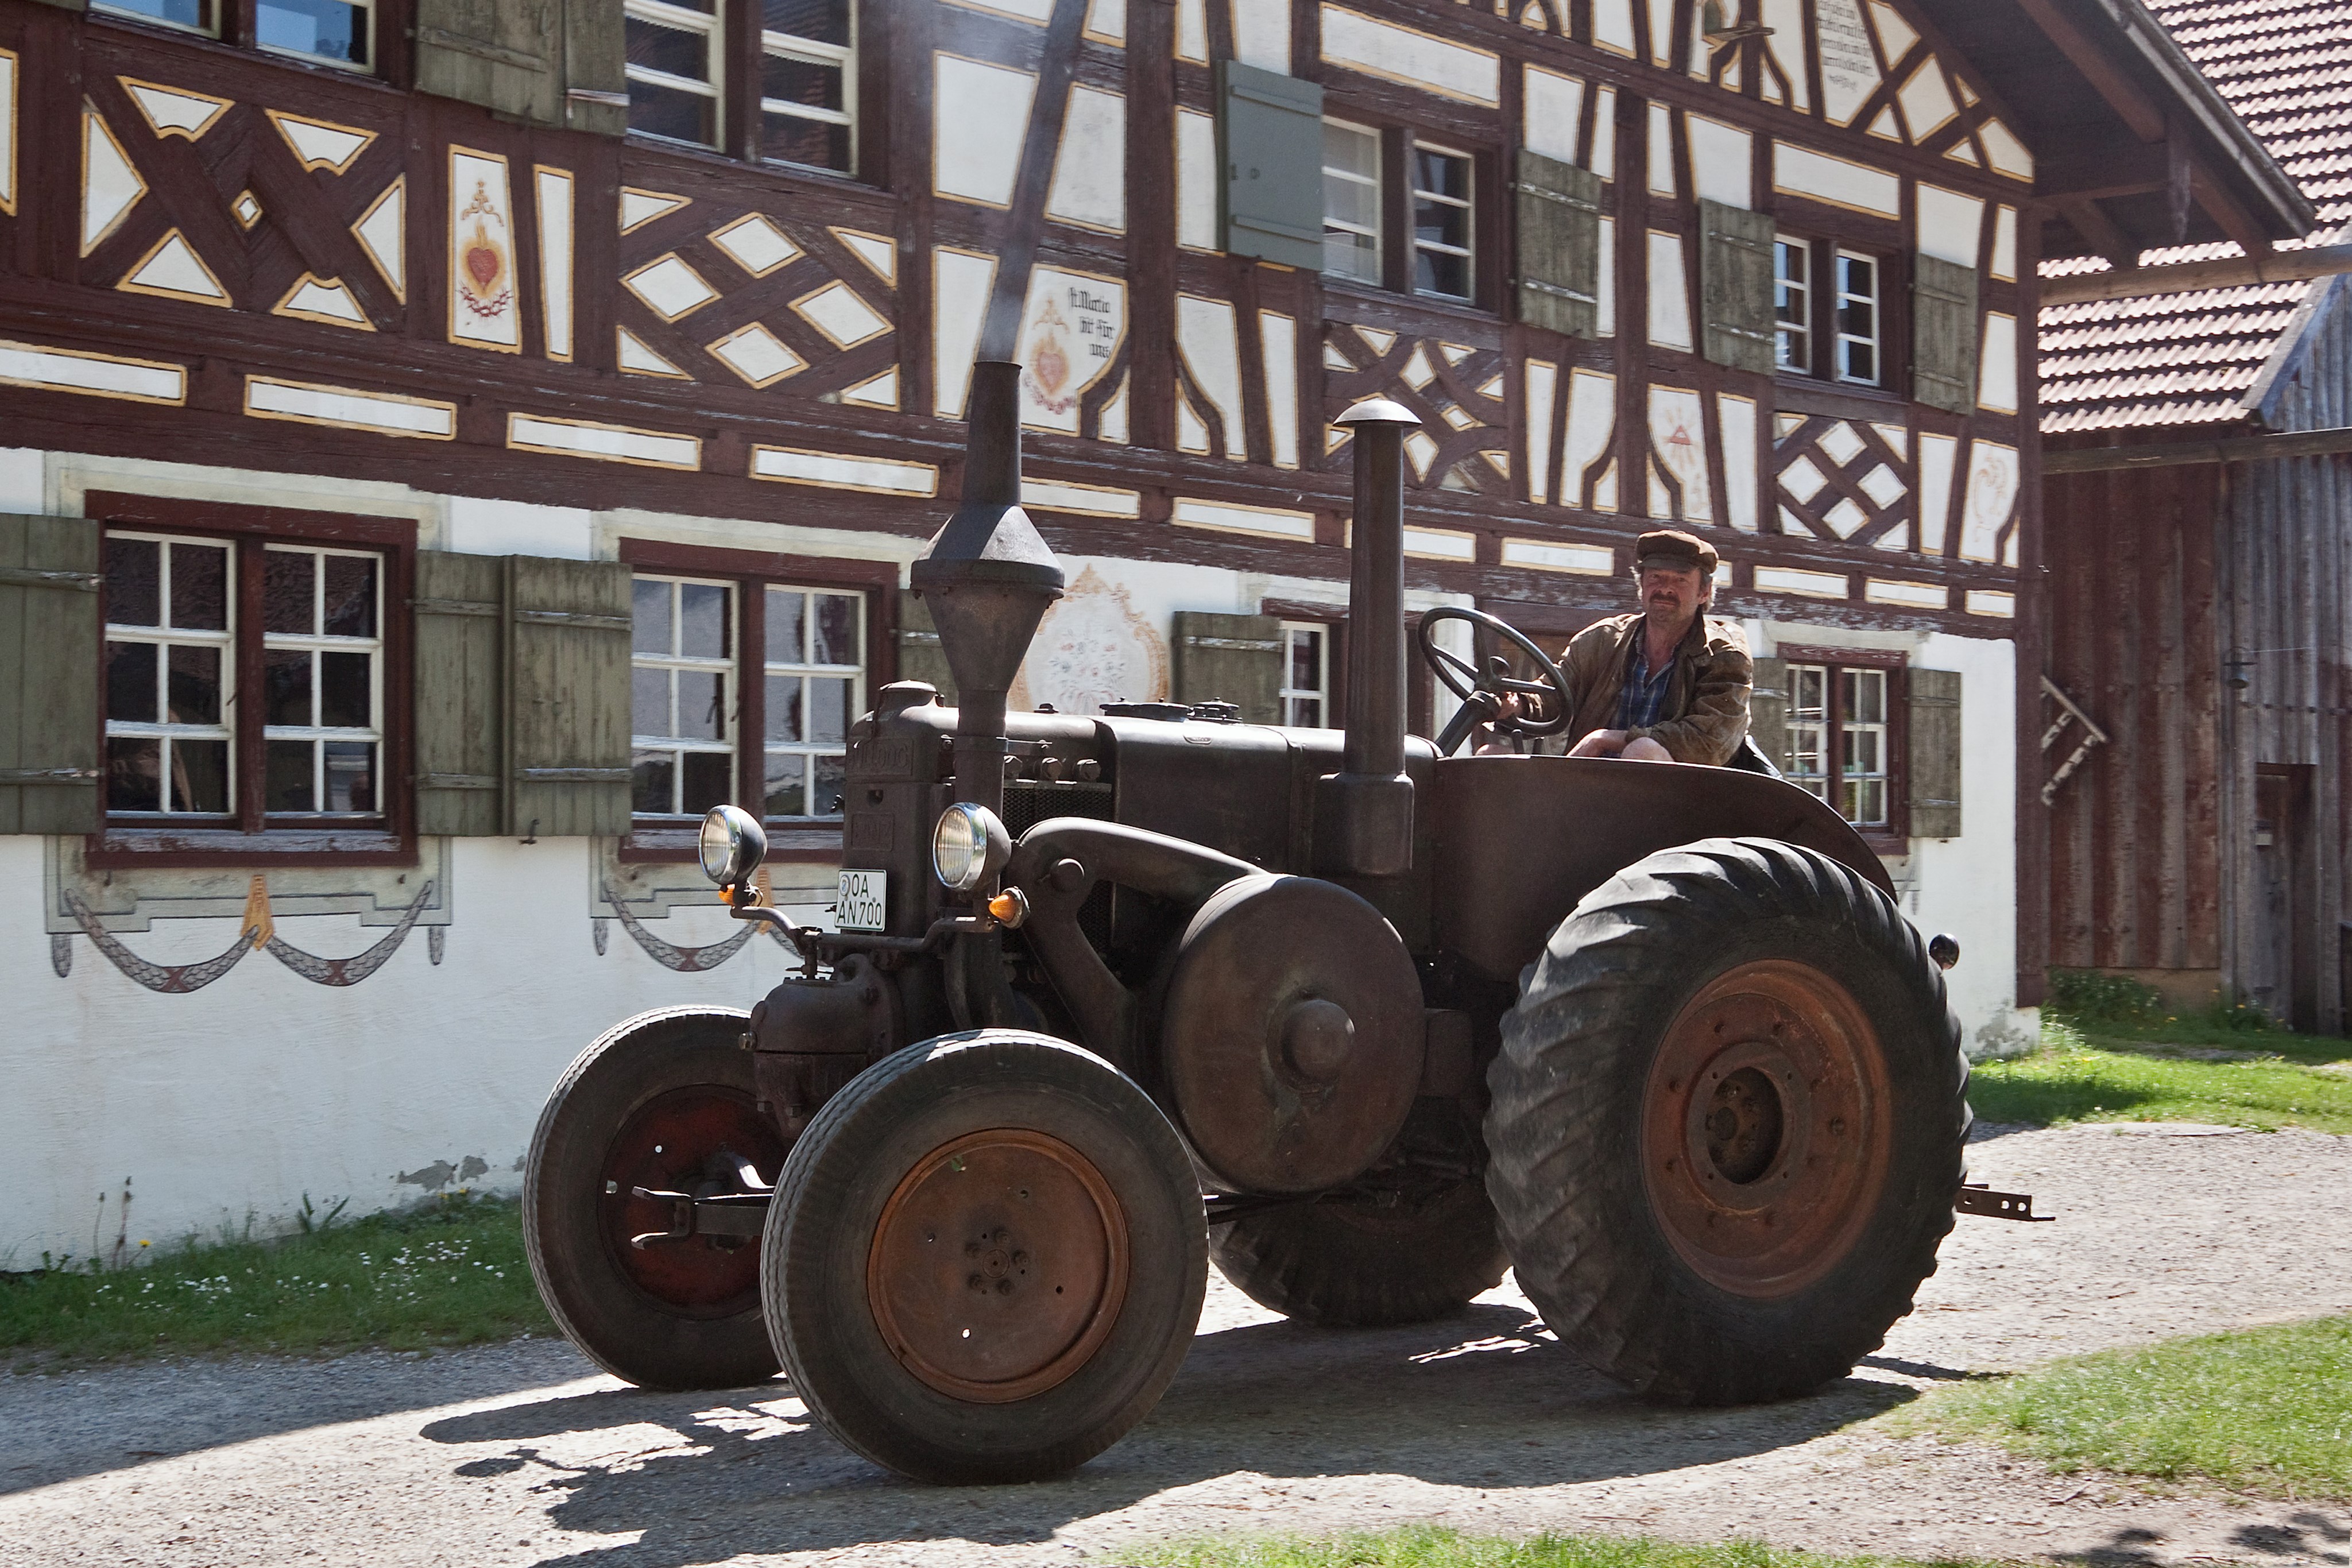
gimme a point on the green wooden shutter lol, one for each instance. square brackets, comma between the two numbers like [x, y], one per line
[549, 62]
[1735, 275]
[459, 681]
[567, 696]
[1934, 780]
[920, 657]
[1768, 711]
[1232, 659]
[1270, 144]
[1559, 264]
[49, 654]
[1944, 334]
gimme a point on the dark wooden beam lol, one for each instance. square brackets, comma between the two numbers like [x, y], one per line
[2235, 221]
[2099, 68]
[2098, 230]
[2232, 272]
[2184, 454]
[2099, 171]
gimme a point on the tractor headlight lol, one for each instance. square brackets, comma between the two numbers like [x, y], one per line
[732, 844]
[968, 847]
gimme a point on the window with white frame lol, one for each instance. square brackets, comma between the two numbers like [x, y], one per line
[332, 32]
[681, 707]
[321, 680]
[1305, 693]
[1792, 303]
[1352, 202]
[815, 686]
[1839, 742]
[1442, 222]
[171, 674]
[808, 83]
[674, 67]
[1857, 305]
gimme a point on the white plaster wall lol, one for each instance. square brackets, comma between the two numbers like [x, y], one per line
[241, 1097]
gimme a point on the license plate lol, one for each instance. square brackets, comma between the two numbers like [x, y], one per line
[865, 900]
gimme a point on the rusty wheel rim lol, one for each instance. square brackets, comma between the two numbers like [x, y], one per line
[671, 1143]
[998, 1266]
[1765, 1128]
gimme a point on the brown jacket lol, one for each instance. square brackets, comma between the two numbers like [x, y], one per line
[1706, 701]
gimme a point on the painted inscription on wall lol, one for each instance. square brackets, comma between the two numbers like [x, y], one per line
[1849, 63]
[1070, 334]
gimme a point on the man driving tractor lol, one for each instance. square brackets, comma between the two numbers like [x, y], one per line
[1668, 683]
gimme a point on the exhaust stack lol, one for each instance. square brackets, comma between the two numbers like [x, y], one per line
[987, 579]
[1363, 813]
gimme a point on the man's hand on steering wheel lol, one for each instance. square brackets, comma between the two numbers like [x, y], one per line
[1489, 692]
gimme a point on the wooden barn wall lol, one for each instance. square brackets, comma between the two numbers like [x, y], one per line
[2285, 540]
[2134, 867]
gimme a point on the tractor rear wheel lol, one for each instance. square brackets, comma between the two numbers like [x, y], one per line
[986, 1258]
[1358, 1263]
[1726, 1124]
[664, 1102]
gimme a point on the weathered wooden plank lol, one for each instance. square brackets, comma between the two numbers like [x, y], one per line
[920, 656]
[1229, 658]
[1767, 710]
[567, 696]
[1559, 207]
[1735, 286]
[48, 674]
[1944, 334]
[459, 682]
[1935, 760]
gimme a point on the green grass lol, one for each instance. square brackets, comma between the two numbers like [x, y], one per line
[1426, 1546]
[2266, 1409]
[2111, 1052]
[450, 1273]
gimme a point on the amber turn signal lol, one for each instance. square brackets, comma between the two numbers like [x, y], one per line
[1011, 907]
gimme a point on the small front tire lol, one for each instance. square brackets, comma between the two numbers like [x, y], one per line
[1358, 1263]
[986, 1258]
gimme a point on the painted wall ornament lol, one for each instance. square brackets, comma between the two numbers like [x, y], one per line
[257, 928]
[1093, 647]
[483, 308]
[1071, 331]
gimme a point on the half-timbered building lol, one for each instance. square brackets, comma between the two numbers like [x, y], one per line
[449, 444]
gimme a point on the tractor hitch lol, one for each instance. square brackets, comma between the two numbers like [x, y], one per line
[1975, 1197]
[741, 1215]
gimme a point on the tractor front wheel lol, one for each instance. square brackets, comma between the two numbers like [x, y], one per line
[986, 1258]
[664, 1102]
[1727, 1124]
[1359, 1263]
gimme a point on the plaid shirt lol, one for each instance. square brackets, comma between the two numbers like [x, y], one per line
[1643, 699]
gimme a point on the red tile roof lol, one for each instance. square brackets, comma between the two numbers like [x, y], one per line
[2285, 65]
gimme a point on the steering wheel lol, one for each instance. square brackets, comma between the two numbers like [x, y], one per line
[1483, 685]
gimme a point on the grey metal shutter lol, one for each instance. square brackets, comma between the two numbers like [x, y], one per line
[49, 638]
[1270, 144]
[1944, 334]
[1735, 277]
[1934, 780]
[549, 62]
[1559, 264]
[460, 680]
[567, 696]
[920, 657]
[1235, 659]
[1768, 711]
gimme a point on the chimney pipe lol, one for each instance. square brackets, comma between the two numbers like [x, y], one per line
[988, 578]
[1363, 814]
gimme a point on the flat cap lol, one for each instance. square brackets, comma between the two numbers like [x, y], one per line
[1671, 546]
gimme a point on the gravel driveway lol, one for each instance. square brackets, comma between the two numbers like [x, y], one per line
[521, 1453]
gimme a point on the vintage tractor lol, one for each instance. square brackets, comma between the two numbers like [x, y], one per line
[1360, 1021]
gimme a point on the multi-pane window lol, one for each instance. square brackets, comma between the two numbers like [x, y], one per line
[1306, 694]
[807, 83]
[314, 728]
[681, 707]
[1792, 304]
[1857, 303]
[321, 680]
[171, 669]
[743, 690]
[674, 62]
[1441, 224]
[337, 32]
[1839, 742]
[1352, 202]
[815, 686]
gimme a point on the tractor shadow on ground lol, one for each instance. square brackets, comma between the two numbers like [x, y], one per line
[1484, 1400]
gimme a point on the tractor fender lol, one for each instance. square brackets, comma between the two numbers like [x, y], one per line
[1521, 840]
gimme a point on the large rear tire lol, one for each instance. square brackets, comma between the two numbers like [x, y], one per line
[664, 1102]
[986, 1258]
[1359, 1263]
[1727, 1124]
